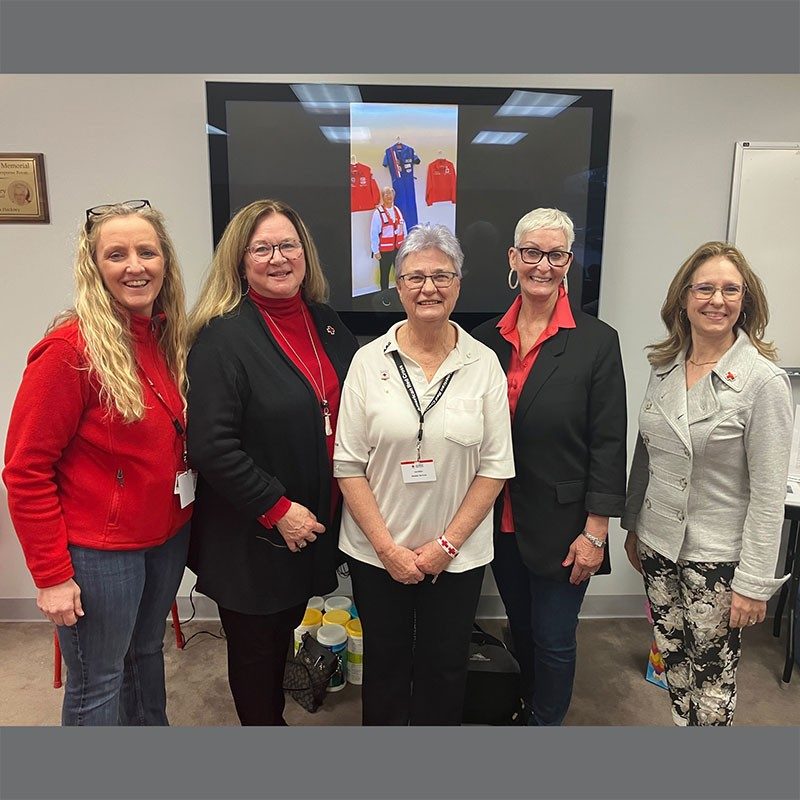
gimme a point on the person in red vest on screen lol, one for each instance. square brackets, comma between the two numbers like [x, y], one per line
[387, 232]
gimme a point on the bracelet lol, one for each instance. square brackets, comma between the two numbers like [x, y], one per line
[595, 540]
[450, 549]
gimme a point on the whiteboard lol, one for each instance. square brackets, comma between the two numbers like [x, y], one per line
[764, 223]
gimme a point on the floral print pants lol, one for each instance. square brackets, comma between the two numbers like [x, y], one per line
[691, 602]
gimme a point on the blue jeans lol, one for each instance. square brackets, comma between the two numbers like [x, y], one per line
[543, 618]
[114, 654]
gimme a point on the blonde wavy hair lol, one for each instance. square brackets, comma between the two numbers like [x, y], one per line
[753, 319]
[105, 326]
[224, 282]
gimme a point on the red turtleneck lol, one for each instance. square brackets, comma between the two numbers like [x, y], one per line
[289, 320]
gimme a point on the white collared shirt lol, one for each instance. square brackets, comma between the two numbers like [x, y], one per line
[467, 433]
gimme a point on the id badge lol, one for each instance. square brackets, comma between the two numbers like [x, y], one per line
[418, 471]
[184, 486]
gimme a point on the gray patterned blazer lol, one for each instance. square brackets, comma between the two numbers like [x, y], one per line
[708, 479]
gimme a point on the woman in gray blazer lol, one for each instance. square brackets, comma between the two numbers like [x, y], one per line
[704, 509]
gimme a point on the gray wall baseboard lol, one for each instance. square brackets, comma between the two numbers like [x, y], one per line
[23, 609]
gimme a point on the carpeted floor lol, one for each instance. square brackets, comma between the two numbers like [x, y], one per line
[609, 688]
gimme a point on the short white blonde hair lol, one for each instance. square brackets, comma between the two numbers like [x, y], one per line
[545, 218]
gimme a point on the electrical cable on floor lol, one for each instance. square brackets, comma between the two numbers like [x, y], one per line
[220, 635]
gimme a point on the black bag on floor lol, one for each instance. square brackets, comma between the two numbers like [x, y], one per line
[493, 683]
[308, 672]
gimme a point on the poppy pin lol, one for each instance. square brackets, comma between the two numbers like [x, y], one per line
[730, 376]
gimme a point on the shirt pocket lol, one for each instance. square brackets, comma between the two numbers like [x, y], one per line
[463, 420]
[570, 491]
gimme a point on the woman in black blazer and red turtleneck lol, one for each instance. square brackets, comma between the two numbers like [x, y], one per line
[566, 392]
[265, 372]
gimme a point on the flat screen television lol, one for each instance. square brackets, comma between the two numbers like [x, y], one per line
[474, 159]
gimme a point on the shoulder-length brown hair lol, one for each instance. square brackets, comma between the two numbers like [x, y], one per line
[753, 319]
[221, 292]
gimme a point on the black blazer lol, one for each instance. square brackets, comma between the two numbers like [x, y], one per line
[256, 433]
[569, 433]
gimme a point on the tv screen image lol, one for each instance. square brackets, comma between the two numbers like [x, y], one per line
[473, 159]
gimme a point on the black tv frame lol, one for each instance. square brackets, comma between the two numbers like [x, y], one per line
[372, 322]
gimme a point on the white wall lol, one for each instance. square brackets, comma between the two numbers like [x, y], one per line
[108, 138]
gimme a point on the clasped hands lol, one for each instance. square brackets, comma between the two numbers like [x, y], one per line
[411, 566]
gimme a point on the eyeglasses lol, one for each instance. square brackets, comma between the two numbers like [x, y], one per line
[416, 280]
[705, 291]
[262, 252]
[133, 205]
[533, 255]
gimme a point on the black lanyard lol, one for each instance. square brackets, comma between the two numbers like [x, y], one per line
[401, 368]
[176, 423]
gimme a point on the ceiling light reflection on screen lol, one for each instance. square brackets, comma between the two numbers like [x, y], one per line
[343, 135]
[498, 137]
[535, 104]
[326, 98]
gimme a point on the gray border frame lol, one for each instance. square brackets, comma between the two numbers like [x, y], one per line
[641, 36]
[304, 36]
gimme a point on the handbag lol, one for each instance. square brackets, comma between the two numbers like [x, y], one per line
[308, 672]
[493, 683]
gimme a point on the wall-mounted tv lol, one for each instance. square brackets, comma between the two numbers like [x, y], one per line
[474, 159]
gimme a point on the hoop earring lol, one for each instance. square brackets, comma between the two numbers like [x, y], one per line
[682, 314]
[245, 285]
[743, 319]
[513, 275]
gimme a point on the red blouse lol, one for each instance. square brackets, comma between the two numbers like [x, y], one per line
[520, 368]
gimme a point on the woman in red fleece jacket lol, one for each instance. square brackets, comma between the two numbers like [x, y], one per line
[98, 488]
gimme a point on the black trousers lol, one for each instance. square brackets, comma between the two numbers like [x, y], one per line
[416, 645]
[386, 263]
[257, 649]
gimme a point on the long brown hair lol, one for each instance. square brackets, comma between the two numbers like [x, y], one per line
[753, 319]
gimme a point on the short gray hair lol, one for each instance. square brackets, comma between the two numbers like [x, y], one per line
[545, 218]
[427, 237]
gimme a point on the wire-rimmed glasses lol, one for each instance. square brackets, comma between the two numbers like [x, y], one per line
[263, 252]
[416, 280]
[705, 291]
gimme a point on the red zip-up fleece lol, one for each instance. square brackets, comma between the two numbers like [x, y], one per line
[78, 474]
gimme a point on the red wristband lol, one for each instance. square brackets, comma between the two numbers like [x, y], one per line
[450, 549]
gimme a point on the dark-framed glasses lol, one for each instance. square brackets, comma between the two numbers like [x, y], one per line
[533, 255]
[262, 252]
[416, 280]
[705, 291]
[132, 205]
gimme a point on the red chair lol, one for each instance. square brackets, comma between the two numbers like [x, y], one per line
[180, 641]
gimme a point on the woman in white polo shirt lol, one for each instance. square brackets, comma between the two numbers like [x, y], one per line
[423, 447]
